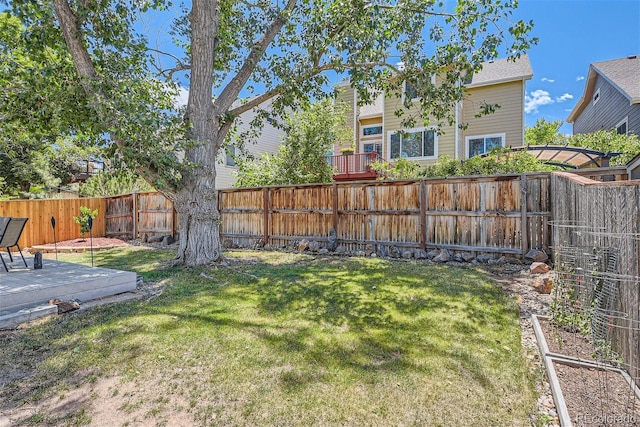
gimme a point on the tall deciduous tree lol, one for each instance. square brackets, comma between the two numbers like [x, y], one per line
[281, 50]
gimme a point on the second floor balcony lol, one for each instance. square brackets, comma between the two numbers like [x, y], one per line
[354, 167]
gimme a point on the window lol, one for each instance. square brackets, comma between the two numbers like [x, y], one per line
[231, 153]
[409, 92]
[372, 130]
[621, 128]
[483, 144]
[596, 96]
[372, 147]
[413, 143]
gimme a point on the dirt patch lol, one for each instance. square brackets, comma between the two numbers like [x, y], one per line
[562, 341]
[597, 397]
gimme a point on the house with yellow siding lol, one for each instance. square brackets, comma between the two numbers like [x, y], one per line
[376, 129]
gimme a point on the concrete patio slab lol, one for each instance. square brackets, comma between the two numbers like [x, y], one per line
[25, 292]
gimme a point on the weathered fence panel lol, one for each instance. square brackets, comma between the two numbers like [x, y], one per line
[120, 218]
[38, 229]
[481, 214]
[154, 215]
[611, 212]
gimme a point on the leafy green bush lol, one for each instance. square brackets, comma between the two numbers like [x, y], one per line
[83, 219]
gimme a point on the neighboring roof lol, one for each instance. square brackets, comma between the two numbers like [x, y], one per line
[623, 74]
[502, 71]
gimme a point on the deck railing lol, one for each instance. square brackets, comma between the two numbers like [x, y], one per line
[356, 163]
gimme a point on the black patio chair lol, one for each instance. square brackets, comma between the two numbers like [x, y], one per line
[10, 237]
[4, 221]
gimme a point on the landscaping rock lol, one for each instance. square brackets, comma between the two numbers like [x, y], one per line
[156, 238]
[360, 253]
[65, 306]
[501, 260]
[382, 251]
[394, 252]
[536, 255]
[539, 268]
[258, 244]
[433, 253]
[168, 240]
[374, 255]
[467, 256]
[303, 245]
[333, 239]
[314, 246]
[485, 258]
[513, 260]
[407, 254]
[340, 249]
[226, 243]
[323, 251]
[457, 258]
[368, 250]
[543, 285]
[443, 256]
[421, 254]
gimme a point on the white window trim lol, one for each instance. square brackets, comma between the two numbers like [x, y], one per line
[414, 130]
[621, 122]
[491, 135]
[417, 98]
[233, 152]
[596, 96]
[379, 135]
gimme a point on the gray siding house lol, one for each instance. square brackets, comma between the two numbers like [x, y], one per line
[611, 98]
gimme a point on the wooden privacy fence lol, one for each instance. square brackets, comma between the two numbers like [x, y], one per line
[610, 211]
[135, 215]
[38, 229]
[503, 214]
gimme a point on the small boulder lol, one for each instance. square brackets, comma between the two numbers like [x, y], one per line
[168, 240]
[64, 306]
[303, 245]
[394, 252]
[485, 258]
[333, 239]
[314, 246]
[457, 258]
[543, 285]
[433, 253]
[501, 260]
[382, 251]
[155, 239]
[227, 243]
[467, 256]
[421, 254]
[340, 249]
[259, 244]
[443, 256]
[407, 254]
[368, 250]
[359, 253]
[539, 268]
[323, 251]
[536, 255]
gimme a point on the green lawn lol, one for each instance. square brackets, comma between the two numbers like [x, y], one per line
[284, 339]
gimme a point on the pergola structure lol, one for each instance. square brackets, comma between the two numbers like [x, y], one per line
[568, 157]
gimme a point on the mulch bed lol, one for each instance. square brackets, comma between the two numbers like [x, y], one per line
[80, 245]
[594, 397]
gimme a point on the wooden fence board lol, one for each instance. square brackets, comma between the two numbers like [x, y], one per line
[38, 229]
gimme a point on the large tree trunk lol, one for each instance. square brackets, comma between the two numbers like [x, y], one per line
[196, 201]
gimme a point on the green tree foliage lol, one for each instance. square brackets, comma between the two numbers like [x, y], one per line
[498, 161]
[302, 156]
[285, 51]
[608, 141]
[544, 133]
[113, 183]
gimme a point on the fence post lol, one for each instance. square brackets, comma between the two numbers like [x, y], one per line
[267, 209]
[423, 216]
[335, 207]
[524, 222]
[134, 214]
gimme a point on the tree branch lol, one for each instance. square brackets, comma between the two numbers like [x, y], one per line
[89, 77]
[231, 91]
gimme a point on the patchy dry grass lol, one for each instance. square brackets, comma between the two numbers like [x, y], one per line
[277, 339]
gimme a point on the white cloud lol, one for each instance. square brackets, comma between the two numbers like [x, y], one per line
[579, 78]
[536, 99]
[182, 97]
[564, 97]
[544, 79]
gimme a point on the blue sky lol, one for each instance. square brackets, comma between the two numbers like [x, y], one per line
[573, 34]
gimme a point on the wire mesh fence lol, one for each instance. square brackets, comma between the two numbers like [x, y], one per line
[599, 309]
